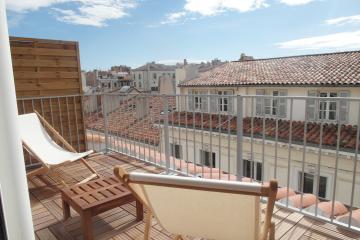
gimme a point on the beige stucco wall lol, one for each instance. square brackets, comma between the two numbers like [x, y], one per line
[147, 80]
[298, 105]
[228, 162]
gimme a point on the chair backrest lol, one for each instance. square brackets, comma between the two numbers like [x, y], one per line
[212, 209]
[36, 139]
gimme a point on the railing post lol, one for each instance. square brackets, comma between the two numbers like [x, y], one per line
[166, 134]
[239, 140]
[106, 123]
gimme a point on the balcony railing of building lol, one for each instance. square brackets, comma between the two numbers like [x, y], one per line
[309, 144]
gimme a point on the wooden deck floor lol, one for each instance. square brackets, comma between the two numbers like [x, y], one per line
[119, 223]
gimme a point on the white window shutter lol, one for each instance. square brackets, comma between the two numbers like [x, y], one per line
[191, 100]
[344, 107]
[214, 101]
[204, 102]
[311, 106]
[282, 104]
[259, 102]
[268, 105]
[230, 102]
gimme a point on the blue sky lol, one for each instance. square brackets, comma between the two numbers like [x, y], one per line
[133, 32]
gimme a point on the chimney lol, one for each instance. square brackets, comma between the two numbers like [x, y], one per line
[243, 57]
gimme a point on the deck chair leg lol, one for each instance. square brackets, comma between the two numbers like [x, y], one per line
[89, 167]
[272, 231]
[147, 225]
[40, 171]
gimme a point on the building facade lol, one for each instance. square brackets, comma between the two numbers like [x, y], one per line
[293, 110]
[146, 78]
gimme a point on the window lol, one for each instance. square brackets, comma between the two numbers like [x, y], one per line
[271, 106]
[310, 184]
[173, 75]
[154, 75]
[197, 101]
[252, 170]
[328, 110]
[223, 102]
[207, 159]
[176, 150]
[139, 76]
[139, 84]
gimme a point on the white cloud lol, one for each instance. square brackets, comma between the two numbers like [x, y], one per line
[343, 20]
[338, 41]
[86, 12]
[214, 7]
[296, 2]
[174, 17]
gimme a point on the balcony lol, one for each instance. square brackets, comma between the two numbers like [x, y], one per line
[163, 134]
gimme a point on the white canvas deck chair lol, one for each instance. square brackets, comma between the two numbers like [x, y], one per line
[210, 209]
[40, 145]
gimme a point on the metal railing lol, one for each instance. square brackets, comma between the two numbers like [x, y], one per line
[309, 144]
[64, 113]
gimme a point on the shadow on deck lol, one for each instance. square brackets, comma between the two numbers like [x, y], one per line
[119, 223]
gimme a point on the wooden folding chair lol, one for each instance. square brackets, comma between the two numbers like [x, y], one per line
[212, 209]
[40, 145]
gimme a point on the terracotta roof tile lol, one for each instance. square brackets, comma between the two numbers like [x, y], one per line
[256, 127]
[320, 69]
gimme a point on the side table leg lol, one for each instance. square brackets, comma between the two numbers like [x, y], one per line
[139, 211]
[66, 210]
[86, 225]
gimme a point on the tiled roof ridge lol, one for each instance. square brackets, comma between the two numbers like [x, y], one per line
[297, 56]
[347, 131]
[336, 68]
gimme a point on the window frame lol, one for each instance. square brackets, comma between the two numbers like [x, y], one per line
[317, 105]
[315, 180]
[203, 158]
[198, 100]
[176, 148]
[253, 170]
[270, 107]
[225, 95]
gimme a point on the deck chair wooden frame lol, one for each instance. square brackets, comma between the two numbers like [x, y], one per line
[129, 179]
[46, 168]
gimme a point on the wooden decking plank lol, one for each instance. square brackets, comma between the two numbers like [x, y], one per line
[46, 234]
[297, 231]
[118, 223]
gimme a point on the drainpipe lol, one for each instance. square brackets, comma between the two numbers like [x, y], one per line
[13, 182]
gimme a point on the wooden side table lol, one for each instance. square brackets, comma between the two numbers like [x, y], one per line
[94, 197]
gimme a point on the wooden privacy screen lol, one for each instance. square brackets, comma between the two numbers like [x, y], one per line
[48, 79]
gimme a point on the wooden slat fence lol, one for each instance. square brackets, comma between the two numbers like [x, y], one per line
[47, 77]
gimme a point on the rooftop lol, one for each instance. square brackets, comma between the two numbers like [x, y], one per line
[319, 69]
[208, 121]
[155, 67]
[119, 223]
